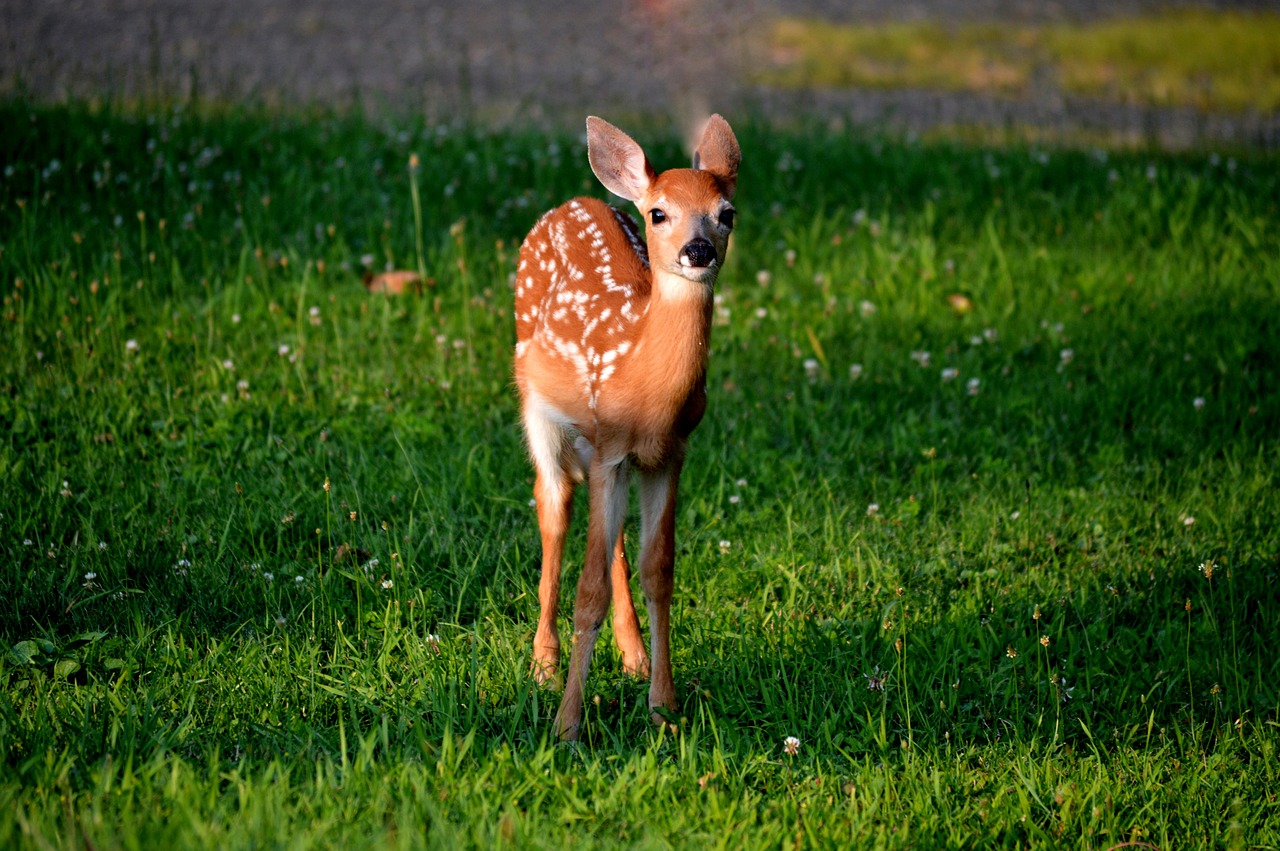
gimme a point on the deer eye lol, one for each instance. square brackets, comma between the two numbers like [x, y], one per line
[727, 216]
[657, 216]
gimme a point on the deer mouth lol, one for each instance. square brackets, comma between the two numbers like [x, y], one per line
[703, 274]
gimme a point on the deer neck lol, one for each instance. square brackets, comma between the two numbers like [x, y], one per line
[676, 334]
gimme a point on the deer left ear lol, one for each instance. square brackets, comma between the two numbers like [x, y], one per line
[718, 153]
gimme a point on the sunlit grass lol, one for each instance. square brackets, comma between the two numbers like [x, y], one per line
[984, 513]
[1226, 61]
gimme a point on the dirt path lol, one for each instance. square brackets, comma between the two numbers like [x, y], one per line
[501, 60]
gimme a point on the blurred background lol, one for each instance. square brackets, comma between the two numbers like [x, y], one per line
[1113, 71]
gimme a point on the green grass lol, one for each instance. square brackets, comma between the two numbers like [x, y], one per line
[1222, 61]
[208, 647]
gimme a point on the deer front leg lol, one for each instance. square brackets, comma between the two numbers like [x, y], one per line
[608, 509]
[554, 496]
[657, 577]
[626, 629]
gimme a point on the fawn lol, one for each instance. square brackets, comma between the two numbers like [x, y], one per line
[612, 330]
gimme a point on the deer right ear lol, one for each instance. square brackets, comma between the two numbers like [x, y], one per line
[719, 154]
[618, 162]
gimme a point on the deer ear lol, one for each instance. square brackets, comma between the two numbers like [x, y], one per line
[719, 154]
[618, 162]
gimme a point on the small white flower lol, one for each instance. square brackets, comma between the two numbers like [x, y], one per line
[735, 499]
[920, 357]
[280, 621]
[873, 509]
[102, 545]
[950, 374]
[866, 308]
[283, 350]
[761, 312]
[1066, 356]
[268, 575]
[975, 340]
[990, 334]
[1015, 515]
[763, 277]
[386, 585]
[973, 386]
[90, 576]
[1188, 521]
[791, 745]
[725, 546]
[235, 319]
[811, 369]
[1198, 402]
[229, 365]
[131, 346]
[299, 579]
[26, 542]
[855, 371]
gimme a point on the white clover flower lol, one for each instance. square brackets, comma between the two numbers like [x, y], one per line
[229, 365]
[283, 350]
[131, 346]
[725, 546]
[973, 386]
[866, 308]
[1198, 403]
[735, 499]
[268, 575]
[791, 745]
[280, 621]
[811, 369]
[920, 357]
[299, 579]
[873, 509]
[235, 319]
[763, 277]
[1066, 356]
[386, 584]
[950, 374]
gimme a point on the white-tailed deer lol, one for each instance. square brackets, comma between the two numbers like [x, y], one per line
[611, 358]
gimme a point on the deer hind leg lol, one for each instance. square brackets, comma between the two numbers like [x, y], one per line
[608, 509]
[657, 578]
[626, 629]
[558, 471]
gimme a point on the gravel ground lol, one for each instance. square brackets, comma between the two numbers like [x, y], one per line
[504, 61]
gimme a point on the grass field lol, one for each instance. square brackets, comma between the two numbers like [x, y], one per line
[984, 511]
[1209, 60]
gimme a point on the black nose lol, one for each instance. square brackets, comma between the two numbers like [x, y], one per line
[700, 253]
